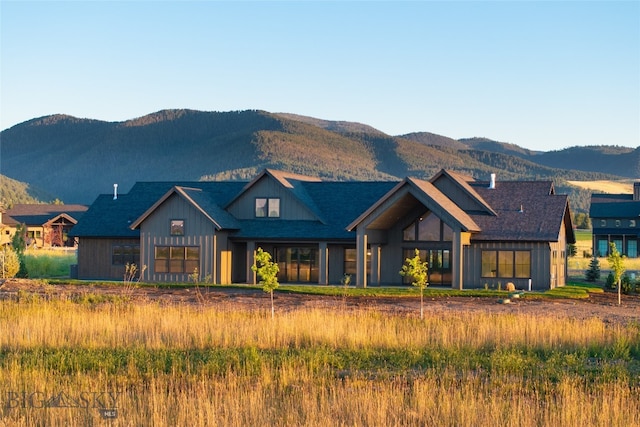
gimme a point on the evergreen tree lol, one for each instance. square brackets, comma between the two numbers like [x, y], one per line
[593, 273]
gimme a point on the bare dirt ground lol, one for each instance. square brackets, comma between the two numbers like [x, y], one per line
[604, 305]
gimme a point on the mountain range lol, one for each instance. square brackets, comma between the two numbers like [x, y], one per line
[74, 160]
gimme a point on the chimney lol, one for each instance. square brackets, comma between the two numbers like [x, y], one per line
[492, 183]
[636, 191]
[115, 191]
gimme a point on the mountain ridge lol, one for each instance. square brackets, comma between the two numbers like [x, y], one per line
[76, 159]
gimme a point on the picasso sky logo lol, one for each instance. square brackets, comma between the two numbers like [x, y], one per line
[105, 402]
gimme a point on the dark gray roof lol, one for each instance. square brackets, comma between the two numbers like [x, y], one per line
[614, 206]
[526, 211]
[336, 203]
[107, 217]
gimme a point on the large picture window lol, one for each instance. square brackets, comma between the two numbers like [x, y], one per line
[267, 207]
[427, 228]
[506, 264]
[177, 259]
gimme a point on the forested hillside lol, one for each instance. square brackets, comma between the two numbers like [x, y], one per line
[77, 159]
[13, 192]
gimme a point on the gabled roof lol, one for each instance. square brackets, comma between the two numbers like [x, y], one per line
[109, 218]
[526, 211]
[290, 181]
[201, 201]
[462, 182]
[40, 214]
[614, 206]
[425, 193]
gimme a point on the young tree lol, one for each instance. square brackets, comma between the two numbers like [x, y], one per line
[416, 269]
[616, 264]
[267, 270]
[9, 263]
[19, 240]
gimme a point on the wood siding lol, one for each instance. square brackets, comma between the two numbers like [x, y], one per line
[95, 257]
[540, 265]
[215, 258]
[290, 207]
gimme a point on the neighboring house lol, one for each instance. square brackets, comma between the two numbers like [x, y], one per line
[472, 233]
[615, 218]
[47, 225]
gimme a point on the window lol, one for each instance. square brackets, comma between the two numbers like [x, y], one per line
[125, 254]
[603, 223]
[506, 264]
[267, 207]
[350, 262]
[603, 247]
[427, 228]
[632, 223]
[177, 259]
[632, 249]
[617, 223]
[177, 227]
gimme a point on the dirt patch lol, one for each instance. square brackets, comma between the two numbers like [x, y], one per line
[603, 305]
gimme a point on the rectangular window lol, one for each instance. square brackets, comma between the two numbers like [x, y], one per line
[523, 264]
[177, 227]
[603, 247]
[177, 259]
[603, 223]
[632, 249]
[632, 223]
[267, 207]
[489, 263]
[125, 254]
[506, 264]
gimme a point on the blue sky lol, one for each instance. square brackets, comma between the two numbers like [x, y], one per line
[541, 74]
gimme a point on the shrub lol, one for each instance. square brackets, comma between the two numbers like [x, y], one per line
[611, 281]
[626, 285]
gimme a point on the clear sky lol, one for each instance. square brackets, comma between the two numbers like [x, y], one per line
[541, 74]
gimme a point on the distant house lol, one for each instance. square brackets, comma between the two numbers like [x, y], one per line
[47, 224]
[472, 233]
[615, 218]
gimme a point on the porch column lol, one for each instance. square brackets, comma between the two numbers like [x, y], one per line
[375, 264]
[323, 278]
[361, 258]
[251, 252]
[456, 260]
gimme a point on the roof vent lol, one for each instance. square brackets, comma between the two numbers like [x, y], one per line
[492, 183]
[115, 191]
[521, 209]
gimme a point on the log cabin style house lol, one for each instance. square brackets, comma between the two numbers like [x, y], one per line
[472, 233]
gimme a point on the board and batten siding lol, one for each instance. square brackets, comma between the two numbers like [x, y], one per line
[290, 207]
[215, 256]
[540, 265]
[95, 258]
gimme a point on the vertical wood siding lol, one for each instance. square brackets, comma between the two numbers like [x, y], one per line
[94, 258]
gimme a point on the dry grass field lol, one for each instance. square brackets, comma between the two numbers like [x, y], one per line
[79, 356]
[610, 187]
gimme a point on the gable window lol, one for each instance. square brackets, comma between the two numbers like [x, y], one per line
[267, 207]
[427, 228]
[176, 259]
[506, 264]
[177, 227]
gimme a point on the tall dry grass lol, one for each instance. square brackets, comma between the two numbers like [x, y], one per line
[183, 365]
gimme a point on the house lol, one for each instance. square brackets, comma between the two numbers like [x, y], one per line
[615, 218]
[47, 224]
[472, 232]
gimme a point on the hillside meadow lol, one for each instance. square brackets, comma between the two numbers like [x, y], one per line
[108, 361]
